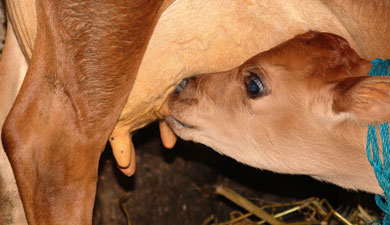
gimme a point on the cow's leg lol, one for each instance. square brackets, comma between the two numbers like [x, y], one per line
[83, 66]
[13, 67]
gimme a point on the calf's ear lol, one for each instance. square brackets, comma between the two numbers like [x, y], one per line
[364, 99]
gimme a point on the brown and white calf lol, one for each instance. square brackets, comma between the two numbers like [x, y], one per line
[299, 108]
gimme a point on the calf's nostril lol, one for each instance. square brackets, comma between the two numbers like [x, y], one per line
[181, 86]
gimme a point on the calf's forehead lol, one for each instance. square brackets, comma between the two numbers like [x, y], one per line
[292, 63]
[278, 75]
[305, 53]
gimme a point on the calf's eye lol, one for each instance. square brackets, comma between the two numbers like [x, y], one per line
[254, 85]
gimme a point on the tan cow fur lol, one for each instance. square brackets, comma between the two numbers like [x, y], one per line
[23, 17]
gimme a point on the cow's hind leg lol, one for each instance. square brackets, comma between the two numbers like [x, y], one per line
[13, 67]
[84, 63]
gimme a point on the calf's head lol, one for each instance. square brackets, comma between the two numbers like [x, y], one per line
[300, 108]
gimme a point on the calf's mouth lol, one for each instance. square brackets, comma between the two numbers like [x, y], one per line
[172, 121]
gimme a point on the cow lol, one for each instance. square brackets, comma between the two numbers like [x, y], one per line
[301, 107]
[191, 37]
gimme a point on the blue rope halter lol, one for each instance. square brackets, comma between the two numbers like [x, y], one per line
[381, 167]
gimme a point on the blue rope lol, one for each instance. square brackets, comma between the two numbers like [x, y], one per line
[381, 167]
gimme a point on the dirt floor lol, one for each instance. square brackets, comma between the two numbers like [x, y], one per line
[176, 187]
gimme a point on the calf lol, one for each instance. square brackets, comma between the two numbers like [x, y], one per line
[299, 108]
